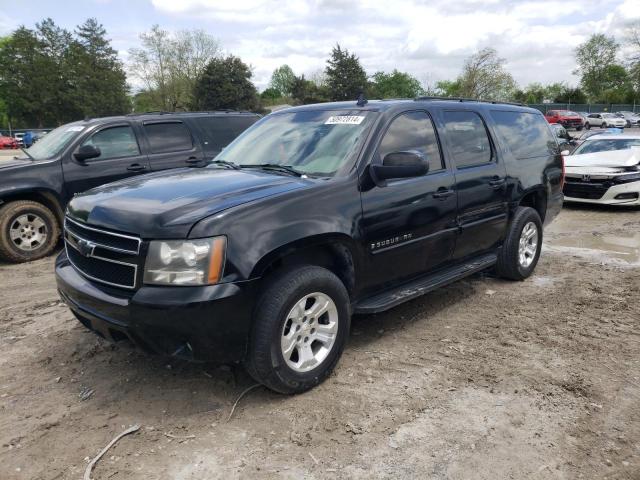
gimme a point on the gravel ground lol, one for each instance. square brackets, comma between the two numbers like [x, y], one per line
[484, 379]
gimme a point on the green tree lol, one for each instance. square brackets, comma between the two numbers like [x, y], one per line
[225, 83]
[395, 85]
[345, 76]
[448, 88]
[282, 80]
[169, 65]
[99, 77]
[485, 77]
[306, 91]
[594, 58]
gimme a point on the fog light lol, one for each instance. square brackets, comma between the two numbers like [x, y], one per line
[627, 196]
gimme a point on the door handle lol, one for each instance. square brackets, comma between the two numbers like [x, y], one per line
[136, 167]
[497, 183]
[443, 193]
[191, 160]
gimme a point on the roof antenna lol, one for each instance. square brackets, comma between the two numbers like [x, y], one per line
[362, 101]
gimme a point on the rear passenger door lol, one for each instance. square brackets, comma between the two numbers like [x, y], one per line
[170, 144]
[480, 182]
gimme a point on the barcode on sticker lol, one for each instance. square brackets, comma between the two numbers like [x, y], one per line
[345, 120]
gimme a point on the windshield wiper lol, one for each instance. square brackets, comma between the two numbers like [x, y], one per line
[225, 163]
[277, 167]
[24, 150]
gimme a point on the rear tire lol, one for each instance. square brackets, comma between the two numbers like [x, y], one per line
[521, 249]
[587, 126]
[294, 347]
[28, 231]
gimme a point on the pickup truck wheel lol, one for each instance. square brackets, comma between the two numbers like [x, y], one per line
[28, 231]
[301, 324]
[521, 249]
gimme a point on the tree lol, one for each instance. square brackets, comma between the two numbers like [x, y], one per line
[282, 80]
[169, 65]
[306, 91]
[594, 58]
[225, 83]
[345, 76]
[395, 85]
[100, 81]
[632, 41]
[484, 77]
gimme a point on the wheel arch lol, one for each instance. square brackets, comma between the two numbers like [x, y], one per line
[536, 199]
[46, 197]
[335, 252]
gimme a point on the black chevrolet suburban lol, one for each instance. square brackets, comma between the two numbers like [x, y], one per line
[35, 189]
[311, 215]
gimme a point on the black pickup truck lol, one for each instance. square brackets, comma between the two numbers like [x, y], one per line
[35, 188]
[311, 215]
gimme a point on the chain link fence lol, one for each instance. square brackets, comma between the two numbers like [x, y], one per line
[587, 107]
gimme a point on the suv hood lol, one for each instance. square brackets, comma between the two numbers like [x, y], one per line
[15, 162]
[168, 204]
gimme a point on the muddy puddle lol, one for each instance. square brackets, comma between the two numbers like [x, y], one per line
[619, 249]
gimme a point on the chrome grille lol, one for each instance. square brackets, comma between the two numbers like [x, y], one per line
[106, 257]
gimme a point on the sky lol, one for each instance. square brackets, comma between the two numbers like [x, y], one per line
[429, 39]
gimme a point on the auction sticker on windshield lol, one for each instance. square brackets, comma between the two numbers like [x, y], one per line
[76, 128]
[345, 120]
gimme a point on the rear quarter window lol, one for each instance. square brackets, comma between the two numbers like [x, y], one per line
[218, 132]
[526, 134]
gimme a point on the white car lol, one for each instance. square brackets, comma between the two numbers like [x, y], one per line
[604, 169]
[604, 120]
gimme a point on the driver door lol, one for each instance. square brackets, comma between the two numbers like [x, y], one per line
[409, 224]
[120, 157]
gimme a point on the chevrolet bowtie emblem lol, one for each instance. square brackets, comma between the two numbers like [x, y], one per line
[85, 247]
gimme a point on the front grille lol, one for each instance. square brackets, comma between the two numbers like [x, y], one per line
[106, 257]
[591, 191]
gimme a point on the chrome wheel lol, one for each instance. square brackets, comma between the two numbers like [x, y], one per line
[528, 244]
[28, 232]
[309, 332]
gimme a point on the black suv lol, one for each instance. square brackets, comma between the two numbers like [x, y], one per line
[34, 190]
[311, 215]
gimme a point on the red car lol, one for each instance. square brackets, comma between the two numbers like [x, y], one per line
[8, 142]
[566, 118]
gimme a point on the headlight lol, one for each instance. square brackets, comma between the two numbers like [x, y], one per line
[185, 262]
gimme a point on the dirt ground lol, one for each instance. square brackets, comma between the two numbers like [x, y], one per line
[484, 379]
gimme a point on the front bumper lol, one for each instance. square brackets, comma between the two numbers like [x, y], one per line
[209, 323]
[609, 196]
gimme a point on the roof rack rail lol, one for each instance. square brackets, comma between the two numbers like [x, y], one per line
[463, 99]
[162, 112]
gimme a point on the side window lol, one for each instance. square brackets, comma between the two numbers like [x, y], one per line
[526, 134]
[114, 142]
[413, 131]
[168, 137]
[468, 138]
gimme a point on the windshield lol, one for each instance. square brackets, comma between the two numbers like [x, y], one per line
[607, 145]
[54, 142]
[317, 142]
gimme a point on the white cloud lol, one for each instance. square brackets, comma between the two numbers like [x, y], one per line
[430, 39]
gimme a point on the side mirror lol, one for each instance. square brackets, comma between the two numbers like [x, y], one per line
[564, 153]
[85, 152]
[401, 165]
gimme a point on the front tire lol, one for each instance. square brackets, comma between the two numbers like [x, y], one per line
[301, 324]
[28, 231]
[521, 250]
[587, 126]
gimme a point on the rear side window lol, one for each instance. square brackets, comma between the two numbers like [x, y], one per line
[526, 134]
[468, 138]
[413, 131]
[114, 142]
[218, 132]
[168, 137]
